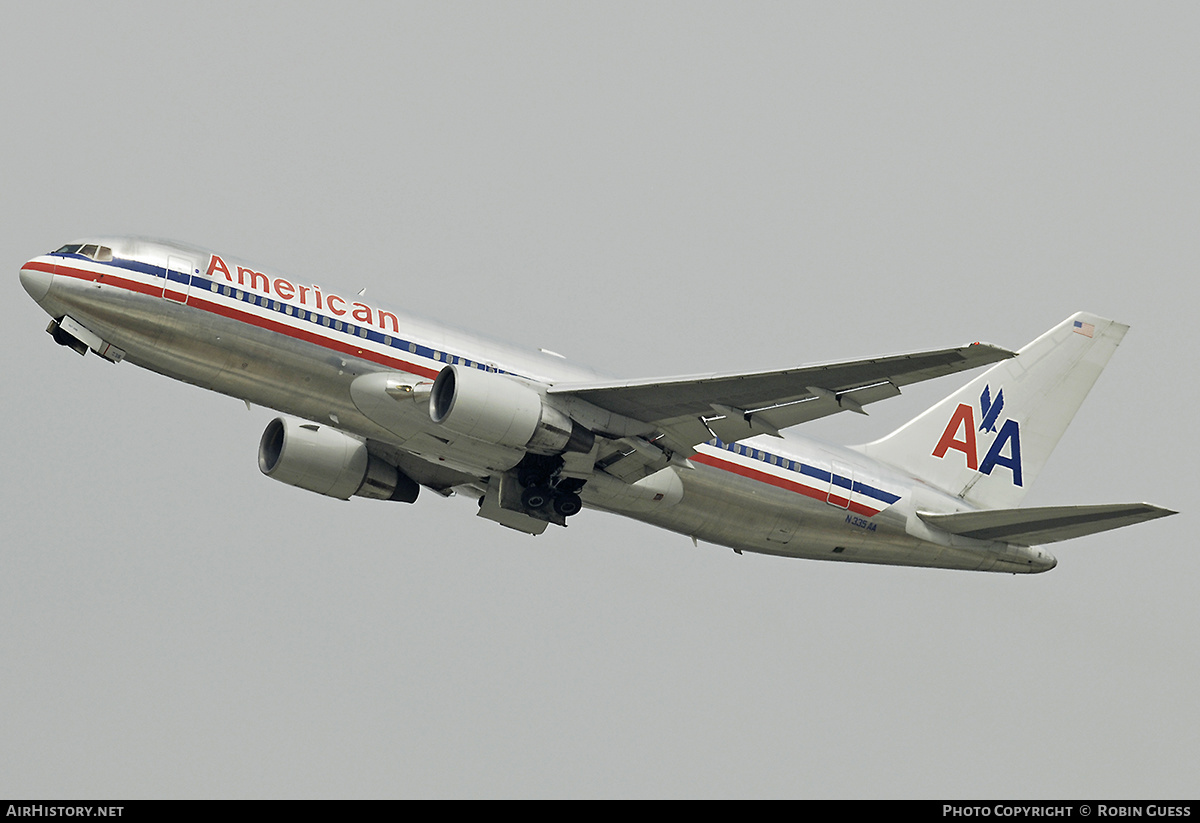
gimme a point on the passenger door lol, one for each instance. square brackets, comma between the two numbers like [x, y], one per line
[179, 279]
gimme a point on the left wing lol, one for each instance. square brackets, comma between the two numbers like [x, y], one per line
[686, 411]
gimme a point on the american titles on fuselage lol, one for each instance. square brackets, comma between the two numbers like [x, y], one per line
[286, 290]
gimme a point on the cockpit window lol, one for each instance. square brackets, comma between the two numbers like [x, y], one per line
[102, 254]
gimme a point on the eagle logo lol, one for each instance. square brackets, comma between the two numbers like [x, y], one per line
[990, 409]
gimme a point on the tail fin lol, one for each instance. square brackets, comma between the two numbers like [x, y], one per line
[987, 442]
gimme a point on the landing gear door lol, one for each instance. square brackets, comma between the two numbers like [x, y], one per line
[179, 279]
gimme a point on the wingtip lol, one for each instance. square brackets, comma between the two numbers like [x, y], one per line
[991, 351]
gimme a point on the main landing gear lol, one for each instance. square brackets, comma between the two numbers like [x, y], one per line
[544, 488]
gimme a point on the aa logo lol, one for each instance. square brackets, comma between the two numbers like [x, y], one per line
[961, 435]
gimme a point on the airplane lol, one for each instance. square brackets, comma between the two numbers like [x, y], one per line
[378, 403]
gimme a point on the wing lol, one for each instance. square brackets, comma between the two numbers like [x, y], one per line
[683, 412]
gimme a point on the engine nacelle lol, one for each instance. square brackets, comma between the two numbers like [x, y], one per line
[329, 462]
[497, 409]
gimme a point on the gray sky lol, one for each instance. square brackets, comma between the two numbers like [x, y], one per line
[652, 189]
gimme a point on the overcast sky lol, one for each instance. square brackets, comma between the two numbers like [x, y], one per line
[652, 189]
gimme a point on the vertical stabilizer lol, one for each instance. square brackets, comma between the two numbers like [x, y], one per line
[987, 442]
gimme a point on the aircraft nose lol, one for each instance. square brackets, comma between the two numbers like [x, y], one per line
[36, 280]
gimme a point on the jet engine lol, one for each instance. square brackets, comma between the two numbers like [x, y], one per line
[329, 462]
[497, 409]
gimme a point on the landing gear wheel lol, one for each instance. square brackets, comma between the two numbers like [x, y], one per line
[535, 498]
[567, 504]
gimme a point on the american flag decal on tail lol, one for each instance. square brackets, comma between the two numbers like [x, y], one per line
[1086, 329]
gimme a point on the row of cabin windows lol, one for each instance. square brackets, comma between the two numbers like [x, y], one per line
[758, 454]
[339, 325]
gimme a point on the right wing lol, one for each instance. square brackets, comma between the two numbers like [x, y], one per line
[680, 413]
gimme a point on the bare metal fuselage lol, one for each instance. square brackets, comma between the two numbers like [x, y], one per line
[224, 331]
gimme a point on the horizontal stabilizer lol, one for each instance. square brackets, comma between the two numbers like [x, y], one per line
[1048, 524]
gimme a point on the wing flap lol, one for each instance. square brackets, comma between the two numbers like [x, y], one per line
[1048, 524]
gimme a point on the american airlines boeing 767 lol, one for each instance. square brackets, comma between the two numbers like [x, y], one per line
[378, 403]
